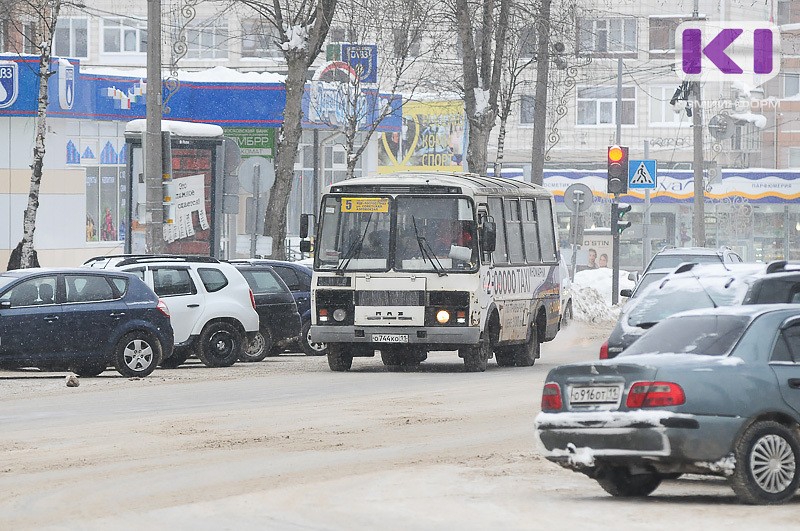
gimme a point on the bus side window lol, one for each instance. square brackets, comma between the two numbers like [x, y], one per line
[529, 232]
[547, 237]
[500, 254]
[516, 253]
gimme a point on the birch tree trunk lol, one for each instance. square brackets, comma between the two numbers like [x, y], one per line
[45, 27]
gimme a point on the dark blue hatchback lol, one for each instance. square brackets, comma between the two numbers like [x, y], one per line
[81, 320]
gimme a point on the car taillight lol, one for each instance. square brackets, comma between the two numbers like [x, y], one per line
[252, 299]
[551, 397]
[604, 351]
[162, 307]
[655, 394]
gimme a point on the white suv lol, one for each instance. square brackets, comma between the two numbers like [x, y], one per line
[211, 305]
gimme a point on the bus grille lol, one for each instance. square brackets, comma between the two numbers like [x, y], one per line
[390, 298]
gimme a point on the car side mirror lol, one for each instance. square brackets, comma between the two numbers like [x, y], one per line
[626, 292]
[488, 236]
[5, 304]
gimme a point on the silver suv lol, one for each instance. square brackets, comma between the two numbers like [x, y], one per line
[672, 257]
[211, 305]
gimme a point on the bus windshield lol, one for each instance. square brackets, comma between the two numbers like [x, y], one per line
[410, 233]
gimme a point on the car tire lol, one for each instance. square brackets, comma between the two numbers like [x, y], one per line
[220, 344]
[619, 482]
[137, 354]
[477, 358]
[504, 357]
[767, 467]
[311, 348]
[179, 357]
[259, 347]
[339, 360]
[89, 369]
[526, 354]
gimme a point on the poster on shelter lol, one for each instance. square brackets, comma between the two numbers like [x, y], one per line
[431, 139]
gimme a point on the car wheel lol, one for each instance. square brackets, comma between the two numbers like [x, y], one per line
[259, 347]
[137, 354]
[219, 345]
[566, 318]
[525, 355]
[504, 357]
[88, 370]
[477, 358]
[338, 359]
[618, 481]
[766, 471]
[311, 348]
[179, 357]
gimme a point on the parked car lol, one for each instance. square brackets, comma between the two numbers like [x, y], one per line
[672, 257]
[710, 392]
[702, 286]
[645, 280]
[81, 320]
[277, 311]
[297, 277]
[212, 307]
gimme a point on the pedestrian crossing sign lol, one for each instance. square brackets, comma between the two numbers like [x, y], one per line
[642, 174]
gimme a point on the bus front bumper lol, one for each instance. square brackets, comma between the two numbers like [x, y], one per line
[450, 336]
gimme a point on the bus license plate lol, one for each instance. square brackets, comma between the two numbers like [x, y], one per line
[389, 338]
[594, 395]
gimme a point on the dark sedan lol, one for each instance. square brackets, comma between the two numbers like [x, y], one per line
[276, 307]
[714, 392]
[81, 320]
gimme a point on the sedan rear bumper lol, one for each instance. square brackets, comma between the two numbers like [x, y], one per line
[580, 440]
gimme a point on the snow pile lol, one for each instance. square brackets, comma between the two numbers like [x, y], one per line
[591, 295]
[297, 35]
[759, 120]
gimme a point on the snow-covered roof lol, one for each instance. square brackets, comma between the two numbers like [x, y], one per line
[218, 74]
[188, 129]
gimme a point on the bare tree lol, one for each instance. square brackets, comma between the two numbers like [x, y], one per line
[481, 78]
[44, 14]
[302, 27]
[398, 28]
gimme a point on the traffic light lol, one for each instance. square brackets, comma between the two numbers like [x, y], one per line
[617, 169]
[618, 211]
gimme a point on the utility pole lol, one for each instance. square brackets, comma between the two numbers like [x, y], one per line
[153, 169]
[698, 218]
[540, 96]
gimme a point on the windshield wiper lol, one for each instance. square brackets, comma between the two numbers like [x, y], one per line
[354, 250]
[427, 252]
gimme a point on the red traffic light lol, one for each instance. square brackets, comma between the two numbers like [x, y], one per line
[615, 154]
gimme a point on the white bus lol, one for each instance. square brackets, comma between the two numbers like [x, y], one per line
[413, 262]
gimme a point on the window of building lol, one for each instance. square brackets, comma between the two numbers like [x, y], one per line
[71, 38]
[106, 211]
[791, 85]
[258, 39]
[29, 38]
[124, 35]
[747, 138]
[661, 112]
[527, 41]
[607, 35]
[208, 40]
[526, 103]
[597, 105]
[402, 46]
[662, 35]
[794, 157]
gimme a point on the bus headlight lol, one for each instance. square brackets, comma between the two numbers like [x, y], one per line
[339, 315]
[443, 316]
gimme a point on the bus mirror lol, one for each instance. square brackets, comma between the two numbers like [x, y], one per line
[305, 246]
[488, 236]
[304, 225]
